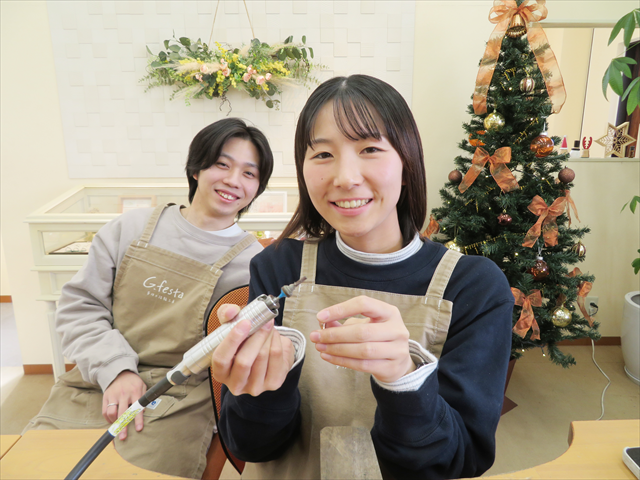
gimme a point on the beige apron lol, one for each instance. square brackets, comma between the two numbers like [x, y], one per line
[159, 303]
[342, 397]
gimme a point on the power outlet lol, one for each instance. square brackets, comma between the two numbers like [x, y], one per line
[591, 304]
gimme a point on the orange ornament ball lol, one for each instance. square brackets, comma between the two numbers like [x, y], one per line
[541, 146]
[476, 142]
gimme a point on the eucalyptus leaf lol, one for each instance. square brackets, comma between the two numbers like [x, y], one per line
[282, 55]
[162, 56]
[269, 103]
[185, 41]
[304, 53]
[175, 56]
[296, 53]
[289, 39]
[156, 64]
[311, 51]
[166, 44]
[304, 39]
[174, 48]
[148, 50]
[271, 89]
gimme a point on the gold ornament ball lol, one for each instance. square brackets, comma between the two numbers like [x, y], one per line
[494, 122]
[452, 245]
[541, 146]
[561, 317]
[579, 249]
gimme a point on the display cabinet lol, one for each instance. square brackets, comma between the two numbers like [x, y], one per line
[63, 229]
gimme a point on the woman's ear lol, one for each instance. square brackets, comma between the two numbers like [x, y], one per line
[195, 177]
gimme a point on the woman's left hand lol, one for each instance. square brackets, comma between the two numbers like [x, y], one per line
[378, 344]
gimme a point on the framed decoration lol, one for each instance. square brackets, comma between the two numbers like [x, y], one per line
[270, 202]
[130, 202]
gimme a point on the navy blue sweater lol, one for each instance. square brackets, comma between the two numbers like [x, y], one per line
[445, 429]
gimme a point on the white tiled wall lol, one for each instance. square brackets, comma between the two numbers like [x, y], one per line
[113, 129]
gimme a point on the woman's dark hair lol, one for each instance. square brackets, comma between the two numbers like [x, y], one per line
[207, 145]
[359, 101]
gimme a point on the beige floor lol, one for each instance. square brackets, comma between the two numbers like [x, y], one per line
[548, 399]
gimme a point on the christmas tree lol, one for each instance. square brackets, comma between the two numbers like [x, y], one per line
[509, 196]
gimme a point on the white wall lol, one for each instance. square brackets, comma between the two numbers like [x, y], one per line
[4, 276]
[450, 41]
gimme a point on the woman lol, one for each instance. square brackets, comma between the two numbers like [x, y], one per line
[423, 332]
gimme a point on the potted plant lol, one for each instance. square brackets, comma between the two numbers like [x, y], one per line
[630, 331]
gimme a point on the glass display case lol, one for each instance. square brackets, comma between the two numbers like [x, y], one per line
[63, 229]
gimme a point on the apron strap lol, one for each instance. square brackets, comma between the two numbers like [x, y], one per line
[309, 261]
[233, 252]
[151, 225]
[442, 274]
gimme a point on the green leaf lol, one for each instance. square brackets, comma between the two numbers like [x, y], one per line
[304, 53]
[304, 39]
[269, 103]
[296, 53]
[271, 89]
[629, 26]
[634, 203]
[174, 48]
[166, 44]
[185, 41]
[175, 56]
[636, 265]
[605, 81]
[311, 51]
[630, 88]
[162, 56]
[156, 64]
[615, 80]
[289, 39]
[623, 66]
[149, 50]
[282, 55]
[634, 100]
[618, 26]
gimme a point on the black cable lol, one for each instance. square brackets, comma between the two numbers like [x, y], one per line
[154, 392]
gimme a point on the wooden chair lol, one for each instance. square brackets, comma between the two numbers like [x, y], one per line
[218, 453]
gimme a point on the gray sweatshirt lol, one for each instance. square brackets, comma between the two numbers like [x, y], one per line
[84, 317]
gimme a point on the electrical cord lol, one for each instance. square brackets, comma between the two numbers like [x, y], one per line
[593, 358]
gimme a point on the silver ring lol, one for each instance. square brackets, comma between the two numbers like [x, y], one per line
[112, 405]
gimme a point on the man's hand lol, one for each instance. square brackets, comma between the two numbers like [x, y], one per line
[119, 395]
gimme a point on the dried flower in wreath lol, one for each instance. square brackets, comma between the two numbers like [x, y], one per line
[259, 69]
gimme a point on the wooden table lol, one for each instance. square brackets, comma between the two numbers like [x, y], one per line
[51, 454]
[6, 442]
[595, 452]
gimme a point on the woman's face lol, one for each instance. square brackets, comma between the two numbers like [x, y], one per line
[355, 185]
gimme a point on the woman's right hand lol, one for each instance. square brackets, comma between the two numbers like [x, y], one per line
[251, 365]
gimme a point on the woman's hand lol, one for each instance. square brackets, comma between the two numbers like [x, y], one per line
[119, 395]
[251, 365]
[378, 344]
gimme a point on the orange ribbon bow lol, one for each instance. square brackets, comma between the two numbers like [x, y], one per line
[531, 11]
[583, 290]
[433, 227]
[570, 205]
[546, 221]
[497, 165]
[527, 320]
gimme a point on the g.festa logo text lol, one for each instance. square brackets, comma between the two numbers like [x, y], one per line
[161, 290]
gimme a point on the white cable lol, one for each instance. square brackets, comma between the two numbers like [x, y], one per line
[593, 357]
